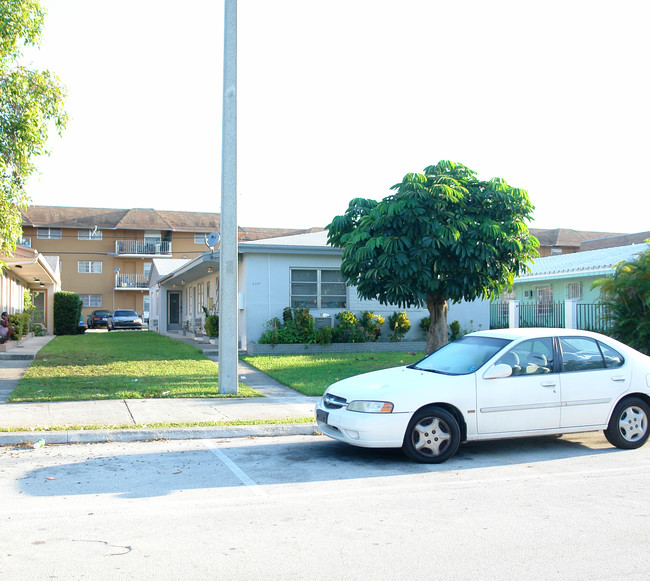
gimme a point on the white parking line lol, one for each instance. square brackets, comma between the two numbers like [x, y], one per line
[236, 470]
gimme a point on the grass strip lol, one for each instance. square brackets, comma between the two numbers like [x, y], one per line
[162, 425]
[312, 374]
[121, 365]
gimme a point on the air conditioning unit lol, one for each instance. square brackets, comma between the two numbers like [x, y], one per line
[528, 294]
[320, 322]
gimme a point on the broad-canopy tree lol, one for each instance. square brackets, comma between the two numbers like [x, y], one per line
[626, 296]
[444, 235]
[31, 101]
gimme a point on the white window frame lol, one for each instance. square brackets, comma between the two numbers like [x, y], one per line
[48, 233]
[91, 300]
[319, 294]
[200, 237]
[573, 291]
[89, 234]
[94, 266]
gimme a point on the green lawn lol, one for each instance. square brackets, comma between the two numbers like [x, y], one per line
[312, 374]
[122, 365]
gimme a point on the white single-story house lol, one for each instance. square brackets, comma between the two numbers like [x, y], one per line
[275, 273]
[28, 269]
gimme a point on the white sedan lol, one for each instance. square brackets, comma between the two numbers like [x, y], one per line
[495, 384]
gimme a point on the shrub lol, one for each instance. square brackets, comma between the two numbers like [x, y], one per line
[324, 335]
[425, 323]
[298, 327]
[455, 332]
[371, 325]
[212, 325]
[348, 329]
[20, 323]
[67, 313]
[399, 325]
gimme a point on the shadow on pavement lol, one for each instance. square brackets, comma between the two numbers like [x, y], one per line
[317, 460]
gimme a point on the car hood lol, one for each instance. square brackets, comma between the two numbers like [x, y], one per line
[405, 387]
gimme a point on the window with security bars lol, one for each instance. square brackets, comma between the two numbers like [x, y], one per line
[89, 234]
[544, 299]
[91, 300]
[504, 304]
[318, 288]
[89, 266]
[574, 291]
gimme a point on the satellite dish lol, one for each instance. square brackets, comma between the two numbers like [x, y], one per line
[212, 239]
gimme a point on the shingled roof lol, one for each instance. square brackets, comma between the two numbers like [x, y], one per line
[141, 219]
[566, 237]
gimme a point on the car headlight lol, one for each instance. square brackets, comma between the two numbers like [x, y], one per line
[370, 407]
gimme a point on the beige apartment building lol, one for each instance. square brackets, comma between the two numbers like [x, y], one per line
[106, 254]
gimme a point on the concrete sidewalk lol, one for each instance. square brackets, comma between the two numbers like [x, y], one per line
[279, 403]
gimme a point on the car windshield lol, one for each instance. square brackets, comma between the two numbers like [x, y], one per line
[125, 314]
[463, 356]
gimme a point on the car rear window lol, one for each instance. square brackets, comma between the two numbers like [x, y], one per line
[463, 356]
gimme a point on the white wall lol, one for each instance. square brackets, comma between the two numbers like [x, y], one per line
[265, 284]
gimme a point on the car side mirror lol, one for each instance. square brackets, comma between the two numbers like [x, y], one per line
[497, 371]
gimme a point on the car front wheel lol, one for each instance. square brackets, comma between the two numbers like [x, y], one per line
[432, 436]
[628, 426]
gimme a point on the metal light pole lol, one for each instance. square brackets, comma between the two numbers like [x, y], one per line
[228, 331]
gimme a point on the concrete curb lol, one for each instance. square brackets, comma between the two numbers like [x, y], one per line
[146, 435]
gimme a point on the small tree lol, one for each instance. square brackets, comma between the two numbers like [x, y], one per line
[626, 296]
[443, 235]
[30, 100]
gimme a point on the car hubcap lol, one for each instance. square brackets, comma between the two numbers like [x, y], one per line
[633, 423]
[431, 437]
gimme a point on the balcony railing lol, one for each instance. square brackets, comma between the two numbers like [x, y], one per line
[130, 281]
[143, 247]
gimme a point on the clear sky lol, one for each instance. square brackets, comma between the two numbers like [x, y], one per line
[339, 99]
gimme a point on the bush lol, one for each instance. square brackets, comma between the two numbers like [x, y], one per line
[298, 327]
[626, 297]
[20, 323]
[371, 325]
[212, 325]
[399, 324]
[348, 329]
[67, 313]
[455, 332]
[425, 324]
[324, 335]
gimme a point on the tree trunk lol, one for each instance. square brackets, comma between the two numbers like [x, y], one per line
[438, 334]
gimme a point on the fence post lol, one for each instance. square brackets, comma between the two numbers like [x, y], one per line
[570, 314]
[513, 314]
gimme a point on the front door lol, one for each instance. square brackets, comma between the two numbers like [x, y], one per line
[529, 399]
[173, 311]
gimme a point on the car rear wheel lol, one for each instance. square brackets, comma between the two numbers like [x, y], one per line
[628, 426]
[432, 436]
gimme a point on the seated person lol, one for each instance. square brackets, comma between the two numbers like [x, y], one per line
[6, 330]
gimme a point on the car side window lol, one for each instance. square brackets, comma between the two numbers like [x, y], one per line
[581, 354]
[612, 357]
[530, 357]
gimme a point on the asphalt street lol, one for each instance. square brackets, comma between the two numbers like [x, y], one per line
[306, 507]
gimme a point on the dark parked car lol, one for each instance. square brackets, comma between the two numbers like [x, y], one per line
[124, 319]
[98, 319]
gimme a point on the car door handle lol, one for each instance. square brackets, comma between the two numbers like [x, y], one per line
[549, 383]
[618, 377]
